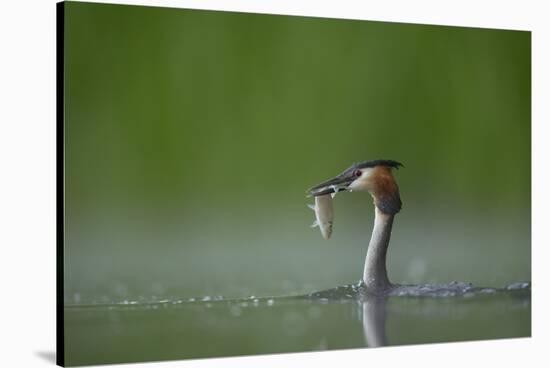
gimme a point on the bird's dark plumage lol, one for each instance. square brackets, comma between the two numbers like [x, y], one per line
[373, 163]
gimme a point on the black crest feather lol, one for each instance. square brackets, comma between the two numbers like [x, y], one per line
[373, 163]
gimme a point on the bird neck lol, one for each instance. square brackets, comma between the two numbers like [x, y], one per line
[375, 275]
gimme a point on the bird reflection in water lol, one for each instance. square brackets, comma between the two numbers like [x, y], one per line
[374, 321]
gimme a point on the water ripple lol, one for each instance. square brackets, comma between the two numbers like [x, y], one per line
[437, 290]
[340, 294]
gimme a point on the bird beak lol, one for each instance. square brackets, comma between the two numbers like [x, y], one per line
[334, 185]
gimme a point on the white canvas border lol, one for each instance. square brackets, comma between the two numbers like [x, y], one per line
[27, 185]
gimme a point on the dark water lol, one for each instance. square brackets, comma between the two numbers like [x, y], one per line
[339, 318]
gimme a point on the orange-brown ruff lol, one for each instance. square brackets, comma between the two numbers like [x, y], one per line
[384, 190]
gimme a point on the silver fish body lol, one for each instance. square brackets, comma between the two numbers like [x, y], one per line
[324, 214]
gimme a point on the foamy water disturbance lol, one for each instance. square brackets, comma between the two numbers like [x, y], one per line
[339, 294]
[436, 290]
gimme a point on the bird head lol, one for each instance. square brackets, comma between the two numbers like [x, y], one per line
[374, 177]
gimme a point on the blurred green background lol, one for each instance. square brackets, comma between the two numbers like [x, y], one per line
[191, 137]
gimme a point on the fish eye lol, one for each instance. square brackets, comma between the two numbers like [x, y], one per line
[357, 173]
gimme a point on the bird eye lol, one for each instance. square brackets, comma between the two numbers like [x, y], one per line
[357, 173]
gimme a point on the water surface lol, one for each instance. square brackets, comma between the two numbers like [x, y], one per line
[340, 318]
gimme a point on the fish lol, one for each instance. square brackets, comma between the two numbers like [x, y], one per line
[324, 214]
